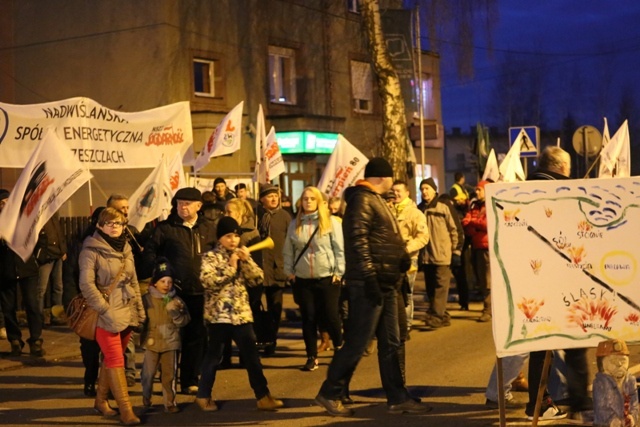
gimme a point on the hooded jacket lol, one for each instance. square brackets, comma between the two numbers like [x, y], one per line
[183, 247]
[373, 245]
[445, 237]
[99, 265]
[325, 255]
[166, 314]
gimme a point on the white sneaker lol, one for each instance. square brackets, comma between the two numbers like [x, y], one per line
[3, 333]
[550, 411]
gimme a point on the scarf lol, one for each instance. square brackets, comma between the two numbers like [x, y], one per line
[117, 243]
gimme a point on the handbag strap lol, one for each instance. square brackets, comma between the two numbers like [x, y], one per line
[305, 247]
[114, 282]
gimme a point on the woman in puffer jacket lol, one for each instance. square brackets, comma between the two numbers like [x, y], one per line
[318, 272]
[106, 258]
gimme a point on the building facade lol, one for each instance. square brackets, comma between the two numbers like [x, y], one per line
[305, 61]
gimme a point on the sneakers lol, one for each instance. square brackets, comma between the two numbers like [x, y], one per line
[437, 322]
[311, 365]
[409, 407]
[173, 409]
[549, 411]
[334, 407]
[508, 403]
[268, 403]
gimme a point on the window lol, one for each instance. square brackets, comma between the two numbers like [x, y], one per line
[208, 78]
[362, 87]
[282, 75]
[427, 97]
[353, 6]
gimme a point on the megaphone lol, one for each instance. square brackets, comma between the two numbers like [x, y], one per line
[265, 244]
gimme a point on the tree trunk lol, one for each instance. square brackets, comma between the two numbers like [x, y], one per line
[394, 121]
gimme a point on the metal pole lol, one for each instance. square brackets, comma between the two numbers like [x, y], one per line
[420, 94]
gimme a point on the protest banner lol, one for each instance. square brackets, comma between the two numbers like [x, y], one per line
[98, 137]
[564, 272]
[52, 174]
[345, 166]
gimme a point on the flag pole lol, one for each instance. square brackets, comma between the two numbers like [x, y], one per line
[90, 198]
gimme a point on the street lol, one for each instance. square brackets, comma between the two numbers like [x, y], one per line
[448, 368]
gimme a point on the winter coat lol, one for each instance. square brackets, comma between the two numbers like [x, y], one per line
[183, 247]
[12, 267]
[445, 239]
[53, 244]
[226, 297]
[99, 265]
[413, 226]
[475, 225]
[166, 314]
[325, 255]
[272, 260]
[373, 245]
[250, 235]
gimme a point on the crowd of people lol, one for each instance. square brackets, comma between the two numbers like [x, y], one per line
[351, 262]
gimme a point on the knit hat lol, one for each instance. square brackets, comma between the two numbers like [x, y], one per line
[378, 168]
[219, 180]
[482, 183]
[4, 194]
[430, 182]
[227, 225]
[241, 186]
[266, 189]
[612, 346]
[188, 193]
[161, 269]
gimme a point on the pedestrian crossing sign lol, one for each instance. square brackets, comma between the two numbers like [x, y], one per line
[529, 139]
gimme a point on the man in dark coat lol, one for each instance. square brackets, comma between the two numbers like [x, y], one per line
[375, 261]
[182, 239]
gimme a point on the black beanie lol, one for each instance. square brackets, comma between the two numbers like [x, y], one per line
[161, 269]
[227, 225]
[219, 180]
[4, 194]
[430, 182]
[378, 168]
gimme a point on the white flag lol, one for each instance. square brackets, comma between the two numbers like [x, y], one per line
[345, 166]
[272, 157]
[511, 167]
[50, 177]
[491, 170]
[224, 140]
[175, 170]
[152, 199]
[262, 167]
[615, 156]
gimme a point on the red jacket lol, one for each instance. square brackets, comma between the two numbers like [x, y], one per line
[475, 225]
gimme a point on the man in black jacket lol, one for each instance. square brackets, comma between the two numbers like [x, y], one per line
[182, 238]
[375, 261]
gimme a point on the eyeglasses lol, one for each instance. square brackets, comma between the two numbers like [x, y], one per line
[114, 224]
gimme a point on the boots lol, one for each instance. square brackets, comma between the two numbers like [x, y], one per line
[101, 404]
[325, 343]
[520, 383]
[118, 386]
[35, 348]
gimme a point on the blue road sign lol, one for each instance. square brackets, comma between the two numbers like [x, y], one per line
[529, 139]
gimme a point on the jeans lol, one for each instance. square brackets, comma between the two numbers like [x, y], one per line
[8, 300]
[411, 279]
[50, 273]
[130, 359]
[318, 300]
[112, 345]
[511, 367]
[366, 319]
[245, 339]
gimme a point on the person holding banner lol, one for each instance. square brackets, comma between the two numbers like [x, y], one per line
[106, 263]
[314, 261]
[24, 274]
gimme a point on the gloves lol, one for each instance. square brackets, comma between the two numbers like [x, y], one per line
[456, 261]
[405, 263]
[372, 291]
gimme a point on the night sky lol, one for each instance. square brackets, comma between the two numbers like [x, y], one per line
[588, 52]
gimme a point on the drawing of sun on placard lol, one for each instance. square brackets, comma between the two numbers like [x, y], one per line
[564, 263]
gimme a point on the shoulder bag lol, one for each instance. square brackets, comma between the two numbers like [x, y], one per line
[83, 319]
